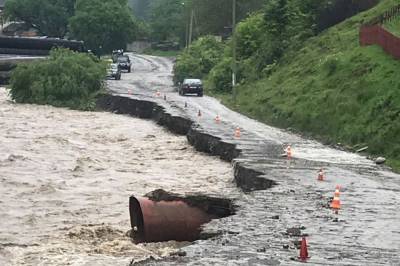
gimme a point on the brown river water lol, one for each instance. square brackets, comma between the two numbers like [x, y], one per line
[66, 176]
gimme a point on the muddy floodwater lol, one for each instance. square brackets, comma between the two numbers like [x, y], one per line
[66, 177]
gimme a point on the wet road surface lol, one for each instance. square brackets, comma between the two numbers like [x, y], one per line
[366, 231]
[66, 177]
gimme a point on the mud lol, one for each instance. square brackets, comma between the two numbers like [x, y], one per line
[219, 207]
[66, 177]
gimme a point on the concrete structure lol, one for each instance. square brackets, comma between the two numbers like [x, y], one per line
[138, 46]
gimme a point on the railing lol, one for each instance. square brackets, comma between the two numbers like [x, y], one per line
[373, 33]
[370, 35]
[387, 16]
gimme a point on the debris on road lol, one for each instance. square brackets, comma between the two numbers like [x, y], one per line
[380, 160]
[362, 149]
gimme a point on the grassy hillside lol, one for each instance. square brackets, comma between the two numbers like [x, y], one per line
[394, 26]
[334, 90]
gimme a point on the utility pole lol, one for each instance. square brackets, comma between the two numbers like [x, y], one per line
[187, 35]
[187, 22]
[234, 65]
[191, 27]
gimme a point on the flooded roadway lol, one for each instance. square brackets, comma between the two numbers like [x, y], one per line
[367, 230]
[78, 231]
[66, 177]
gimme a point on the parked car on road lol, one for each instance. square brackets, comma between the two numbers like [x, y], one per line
[114, 72]
[115, 54]
[124, 63]
[191, 86]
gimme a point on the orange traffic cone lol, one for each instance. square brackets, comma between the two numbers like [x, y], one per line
[217, 119]
[303, 250]
[237, 132]
[321, 175]
[288, 152]
[335, 204]
[199, 114]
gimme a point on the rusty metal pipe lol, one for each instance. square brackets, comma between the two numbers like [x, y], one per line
[165, 220]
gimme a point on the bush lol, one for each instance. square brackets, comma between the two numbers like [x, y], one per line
[250, 35]
[331, 63]
[197, 61]
[220, 78]
[65, 79]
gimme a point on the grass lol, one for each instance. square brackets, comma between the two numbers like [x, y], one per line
[393, 26]
[162, 53]
[333, 90]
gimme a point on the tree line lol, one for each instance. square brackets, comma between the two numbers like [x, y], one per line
[102, 25]
[111, 24]
[263, 37]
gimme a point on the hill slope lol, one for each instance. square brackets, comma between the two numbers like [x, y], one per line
[334, 89]
[393, 26]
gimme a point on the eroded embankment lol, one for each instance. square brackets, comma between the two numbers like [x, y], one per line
[246, 178]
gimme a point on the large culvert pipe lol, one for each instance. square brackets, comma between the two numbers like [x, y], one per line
[159, 221]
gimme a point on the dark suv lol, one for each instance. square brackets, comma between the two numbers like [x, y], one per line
[124, 63]
[191, 86]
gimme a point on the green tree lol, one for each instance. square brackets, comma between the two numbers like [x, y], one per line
[103, 25]
[140, 8]
[167, 20]
[197, 61]
[66, 78]
[215, 17]
[250, 35]
[49, 17]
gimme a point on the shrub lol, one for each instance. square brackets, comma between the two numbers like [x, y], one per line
[250, 35]
[197, 61]
[66, 79]
[331, 63]
[220, 77]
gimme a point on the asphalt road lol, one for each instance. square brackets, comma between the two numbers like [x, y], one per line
[366, 231]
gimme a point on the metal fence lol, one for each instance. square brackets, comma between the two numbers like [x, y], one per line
[387, 16]
[370, 35]
[373, 33]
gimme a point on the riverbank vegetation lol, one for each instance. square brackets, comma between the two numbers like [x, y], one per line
[65, 79]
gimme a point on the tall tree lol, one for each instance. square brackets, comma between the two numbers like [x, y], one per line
[167, 19]
[215, 17]
[49, 17]
[171, 18]
[103, 25]
[140, 8]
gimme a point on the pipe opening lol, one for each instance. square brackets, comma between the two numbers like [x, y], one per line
[161, 216]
